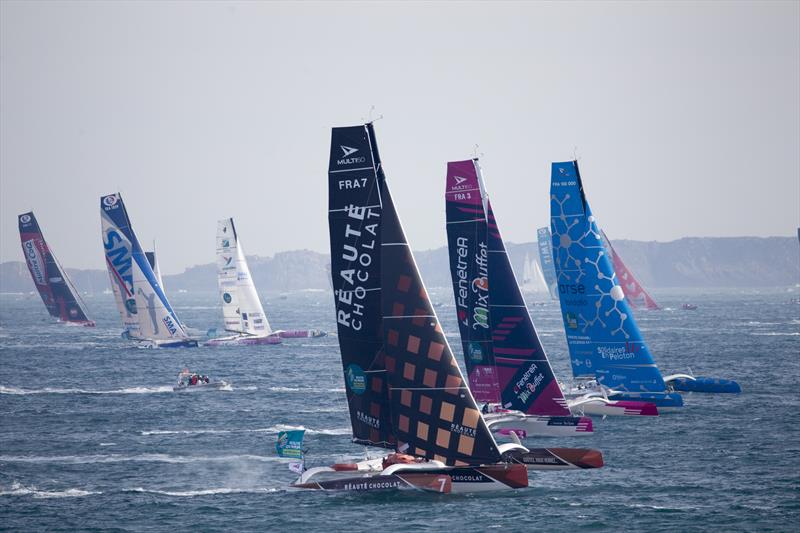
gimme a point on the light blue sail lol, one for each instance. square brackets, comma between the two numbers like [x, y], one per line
[604, 341]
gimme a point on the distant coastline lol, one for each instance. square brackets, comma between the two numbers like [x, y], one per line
[686, 262]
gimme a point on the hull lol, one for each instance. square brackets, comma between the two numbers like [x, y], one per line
[243, 340]
[455, 480]
[556, 458]
[704, 384]
[216, 385]
[539, 426]
[664, 401]
[301, 334]
[619, 408]
[187, 343]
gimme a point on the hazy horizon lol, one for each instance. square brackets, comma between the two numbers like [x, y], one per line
[685, 116]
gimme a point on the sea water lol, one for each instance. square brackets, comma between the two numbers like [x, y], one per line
[93, 437]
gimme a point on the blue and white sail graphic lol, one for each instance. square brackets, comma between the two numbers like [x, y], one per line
[133, 276]
[604, 340]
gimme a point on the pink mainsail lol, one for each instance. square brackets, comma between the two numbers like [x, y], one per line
[637, 296]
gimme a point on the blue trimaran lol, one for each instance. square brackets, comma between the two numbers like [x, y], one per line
[606, 348]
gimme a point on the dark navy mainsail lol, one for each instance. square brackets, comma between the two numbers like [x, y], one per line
[504, 357]
[399, 369]
[58, 293]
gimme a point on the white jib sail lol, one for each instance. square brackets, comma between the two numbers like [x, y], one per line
[241, 307]
[156, 320]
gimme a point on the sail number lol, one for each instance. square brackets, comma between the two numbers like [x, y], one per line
[462, 196]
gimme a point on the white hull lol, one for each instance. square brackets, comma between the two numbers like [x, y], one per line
[539, 426]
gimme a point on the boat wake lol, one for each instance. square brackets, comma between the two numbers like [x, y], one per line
[206, 492]
[144, 458]
[18, 489]
[53, 390]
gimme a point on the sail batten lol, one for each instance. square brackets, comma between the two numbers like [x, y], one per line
[56, 289]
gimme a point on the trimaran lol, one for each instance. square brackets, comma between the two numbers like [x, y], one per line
[59, 295]
[507, 367]
[607, 350]
[146, 313]
[242, 312]
[404, 388]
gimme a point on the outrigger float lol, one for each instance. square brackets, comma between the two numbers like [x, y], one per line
[404, 389]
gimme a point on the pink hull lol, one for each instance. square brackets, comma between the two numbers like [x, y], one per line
[243, 341]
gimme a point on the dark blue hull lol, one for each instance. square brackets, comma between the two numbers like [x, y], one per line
[704, 384]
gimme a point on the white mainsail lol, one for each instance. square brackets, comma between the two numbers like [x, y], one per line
[241, 307]
[532, 277]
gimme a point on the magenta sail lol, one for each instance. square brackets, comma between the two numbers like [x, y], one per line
[637, 296]
[56, 289]
[505, 360]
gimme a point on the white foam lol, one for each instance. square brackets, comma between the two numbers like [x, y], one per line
[145, 457]
[17, 489]
[53, 390]
[205, 492]
[777, 334]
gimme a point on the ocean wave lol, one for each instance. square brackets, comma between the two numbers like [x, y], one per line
[144, 458]
[53, 390]
[302, 389]
[18, 489]
[272, 429]
[205, 492]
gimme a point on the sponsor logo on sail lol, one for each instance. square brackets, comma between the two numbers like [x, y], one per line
[170, 325]
[226, 243]
[25, 219]
[130, 306]
[110, 200]
[356, 379]
[572, 321]
[118, 257]
[459, 180]
[226, 297]
[347, 151]
[35, 262]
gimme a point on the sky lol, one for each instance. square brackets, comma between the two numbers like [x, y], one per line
[685, 116]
